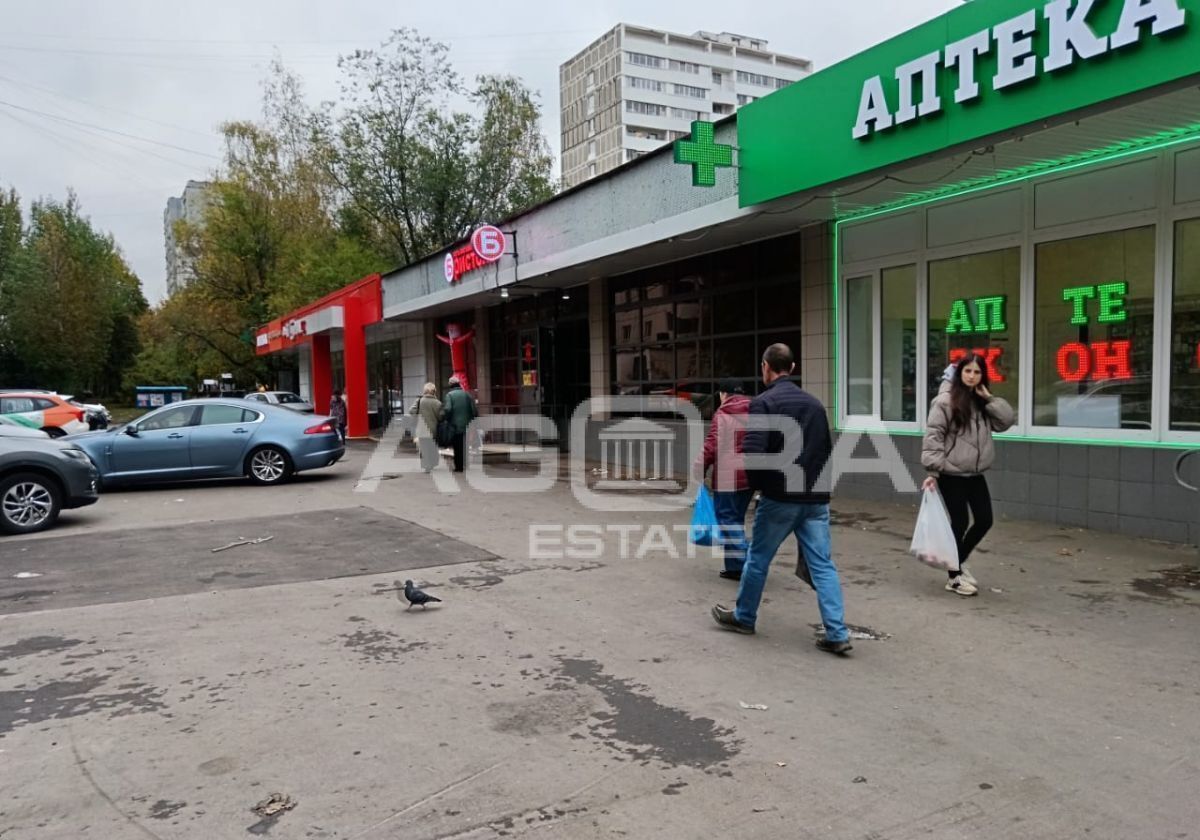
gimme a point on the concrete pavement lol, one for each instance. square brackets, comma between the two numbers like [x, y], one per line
[577, 696]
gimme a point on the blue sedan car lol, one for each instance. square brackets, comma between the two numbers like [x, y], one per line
[212, 438]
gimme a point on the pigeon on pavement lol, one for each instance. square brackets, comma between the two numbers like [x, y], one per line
[418, 598]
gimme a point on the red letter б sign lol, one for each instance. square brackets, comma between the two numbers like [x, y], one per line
[488, 244]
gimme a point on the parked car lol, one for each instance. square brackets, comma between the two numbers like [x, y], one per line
[96, 415]
[44, 410]
[284, 398]
[213, 438]
[38, 479]
[12, 428]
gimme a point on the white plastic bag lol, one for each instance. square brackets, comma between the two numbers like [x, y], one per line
[933, 539]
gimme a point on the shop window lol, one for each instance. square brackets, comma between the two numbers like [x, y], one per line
[975, 307]
[734, 312]
[780, 306]
[898, 344]
[687, 361]
[860, 358]
[1185, 330]
[736, 357]
[660, 362]
[1093, 338]
[658, 323]
[692, 318]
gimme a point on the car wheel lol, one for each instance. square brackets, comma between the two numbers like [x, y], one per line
[28, 502]
[269, 465]
[54, 431]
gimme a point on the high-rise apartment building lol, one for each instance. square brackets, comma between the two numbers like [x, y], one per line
[190, 208]
[634, 89]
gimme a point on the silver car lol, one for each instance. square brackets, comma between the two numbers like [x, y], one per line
[213, 438]
[284, 398]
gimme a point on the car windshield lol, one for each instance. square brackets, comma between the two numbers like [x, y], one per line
[285, 397]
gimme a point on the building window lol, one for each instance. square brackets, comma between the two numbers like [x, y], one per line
[860, 356]
[685, 114]
[648, 108]
[975, 307]
[591, 149]
[722, 108]
[754, 79]
[898, 344]
[643, 84]
[643, 60]
[1185, 330]
[743, 99]
[633, 154]
[1094, 331]
[685, 66]
[678, 328]
[782, 83]
[591, 104]
[688, 90]
[591, 170]
[646, 133]
[718, 77]
[591, 78]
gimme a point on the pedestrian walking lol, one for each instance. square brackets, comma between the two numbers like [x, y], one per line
[791, 502]
[337, 411]
[428, 410]
[723, 454]
[957, 451]
[460, 410]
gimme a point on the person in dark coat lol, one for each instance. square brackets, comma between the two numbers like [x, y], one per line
[460, 409]
[731, 489]
[793, 501]
[337, 412]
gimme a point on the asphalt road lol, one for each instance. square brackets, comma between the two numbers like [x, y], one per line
[152, 688]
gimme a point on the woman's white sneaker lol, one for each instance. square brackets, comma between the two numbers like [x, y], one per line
[961, 586]
[968, 577]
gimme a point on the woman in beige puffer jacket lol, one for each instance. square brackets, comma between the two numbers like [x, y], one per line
[957, 451]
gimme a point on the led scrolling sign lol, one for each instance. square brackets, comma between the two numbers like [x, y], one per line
[1075, 360]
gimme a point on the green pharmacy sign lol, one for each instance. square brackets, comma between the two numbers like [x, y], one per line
[703, 153]
[978, 71]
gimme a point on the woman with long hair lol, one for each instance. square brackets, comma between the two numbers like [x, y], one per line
[958, 450]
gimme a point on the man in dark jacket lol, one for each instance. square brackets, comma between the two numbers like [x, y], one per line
[731, 489]
[792, 501]
[459, 408]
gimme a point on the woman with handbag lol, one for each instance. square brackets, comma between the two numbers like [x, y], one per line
[428, 411]
[957, 451]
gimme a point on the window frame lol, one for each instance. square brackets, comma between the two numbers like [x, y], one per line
[1163, 218]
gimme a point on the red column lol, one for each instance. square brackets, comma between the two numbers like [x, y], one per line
[355, 354]
[322, 378]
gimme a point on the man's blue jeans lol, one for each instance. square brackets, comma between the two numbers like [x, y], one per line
[731, 507]
[773, 521]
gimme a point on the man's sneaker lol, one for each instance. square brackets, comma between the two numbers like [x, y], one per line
[724, 617]
[968, 577]
[840, 648]
[961, 586]
[728, 575]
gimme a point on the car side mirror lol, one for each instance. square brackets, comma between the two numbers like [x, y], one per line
[131, 430]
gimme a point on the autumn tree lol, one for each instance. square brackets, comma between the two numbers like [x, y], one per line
[69, 300]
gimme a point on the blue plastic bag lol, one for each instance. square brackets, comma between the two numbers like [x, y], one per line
[704, 530]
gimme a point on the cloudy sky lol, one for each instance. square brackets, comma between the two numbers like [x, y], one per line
[121, 100]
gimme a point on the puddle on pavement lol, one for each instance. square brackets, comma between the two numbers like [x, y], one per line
[72, 698]
[644, 729]
[380, 645]
[1178, 584]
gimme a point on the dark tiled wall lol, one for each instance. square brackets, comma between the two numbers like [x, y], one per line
[1128, 491]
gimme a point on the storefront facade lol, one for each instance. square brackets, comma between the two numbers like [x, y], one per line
[329, 339]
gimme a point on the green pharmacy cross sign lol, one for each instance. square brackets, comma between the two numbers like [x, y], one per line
[703, 154]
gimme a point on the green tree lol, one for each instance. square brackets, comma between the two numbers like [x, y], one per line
[419, 174]
[69, 302]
